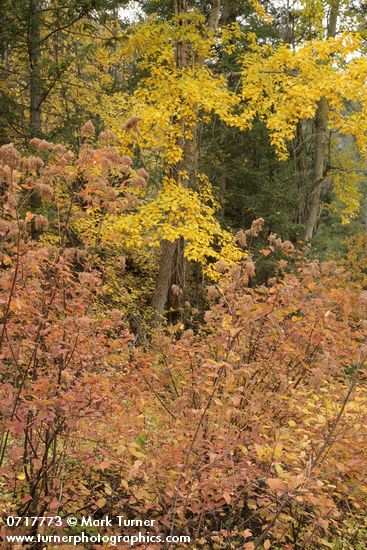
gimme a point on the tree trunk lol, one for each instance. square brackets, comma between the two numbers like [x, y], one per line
[318, 168]
[169, 250]
[171, 269]
[34, 37]
[321, 128]
[171, 263]
[3, 78]
[228, 15]
[164, 277]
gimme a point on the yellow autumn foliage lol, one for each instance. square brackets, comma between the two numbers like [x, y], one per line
[176, 212]
[172, 100]
[284, 86]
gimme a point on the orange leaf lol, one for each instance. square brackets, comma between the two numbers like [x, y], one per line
[101, 502]
[235, 331]
[276, 484]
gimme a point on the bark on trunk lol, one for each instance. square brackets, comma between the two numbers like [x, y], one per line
[171, 266]
[164, 277]
[318, 169]
[168, 250]
[35, 90]
[228, 15]
[321, 128]
[3, 80]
